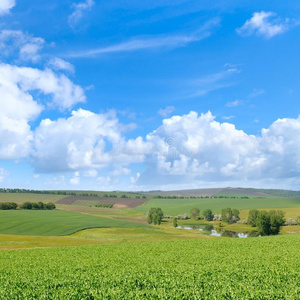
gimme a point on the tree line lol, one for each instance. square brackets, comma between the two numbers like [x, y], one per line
[27, 205]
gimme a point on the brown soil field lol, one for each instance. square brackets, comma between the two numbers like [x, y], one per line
[118, 202]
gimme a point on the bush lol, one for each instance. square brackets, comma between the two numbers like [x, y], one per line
[291, 222]
[8, 205]
[183, 217]
[26, 205]
[195, 212]
[175, 223]
[50, 206]
[208, 215]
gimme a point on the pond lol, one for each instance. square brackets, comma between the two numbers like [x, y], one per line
[220, 232]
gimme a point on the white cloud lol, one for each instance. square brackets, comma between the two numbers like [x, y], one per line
[133, 180]
[75, 180]
[6, 6]
[166, 111]
[78, 142]
[152, 42]
[120, 171]
[19, 106]
[25, 46]
[90, 173]
[79, 9]
[212, 82]
[60, 64]
[235, 103]
[256, 93]
[3, 174]
[265, 24]
[64, 92]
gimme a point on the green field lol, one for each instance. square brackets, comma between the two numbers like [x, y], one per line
[23, 197]
[254, 268]
[181, 206]
[55, 222]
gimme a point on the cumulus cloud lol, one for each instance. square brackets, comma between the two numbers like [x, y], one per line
[265, 24]
[185, 149]
[80, 141]
[79, 10]
[6, 6]
[19, 106]
[63, 91]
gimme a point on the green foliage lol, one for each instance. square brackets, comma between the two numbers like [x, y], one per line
[208, 215]
[8, 205]
[226, 214]
[37, 205]
[254, 268]
[195, 212]
[252, 217]
[269, 223]
[54, 222]
[155, 215]
[230, 215]
[175, 222]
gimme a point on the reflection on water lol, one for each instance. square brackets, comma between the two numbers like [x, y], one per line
[220, 232]
[192, 227]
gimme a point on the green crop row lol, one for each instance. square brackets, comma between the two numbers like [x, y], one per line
[254, 268]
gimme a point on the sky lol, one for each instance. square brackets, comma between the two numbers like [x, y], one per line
[148, 95]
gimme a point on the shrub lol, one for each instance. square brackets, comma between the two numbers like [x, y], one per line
[208, 215]
[175, 223]
[195, 212]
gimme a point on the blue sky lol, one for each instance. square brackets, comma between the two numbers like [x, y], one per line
[140, 95]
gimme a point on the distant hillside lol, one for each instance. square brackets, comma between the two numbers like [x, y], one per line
[229, 191]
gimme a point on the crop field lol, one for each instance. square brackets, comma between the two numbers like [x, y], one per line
[181, 206]
[55, 222]
[254, 268]
[92, 201]
[23, 197]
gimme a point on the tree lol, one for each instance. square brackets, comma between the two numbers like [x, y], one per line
[49, 206]
[195, 212]
[226, 214]
[155, 215]
[236, 214]
[26, 205]
[263, 223]
[252, 216]
[41, 205]
[269, 223]
[208, 215]
[276, 220]
[175, 223]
